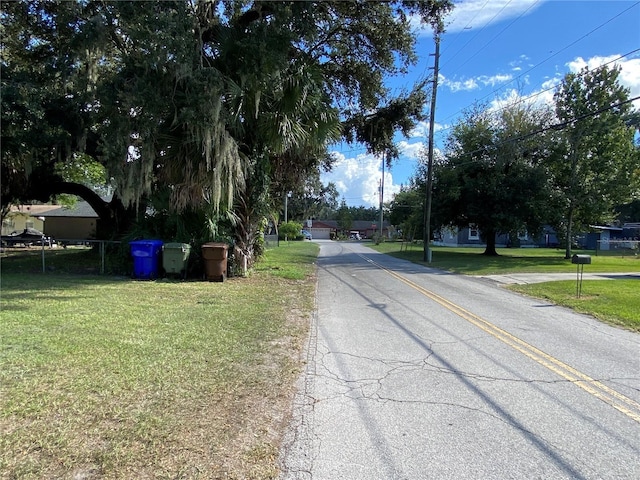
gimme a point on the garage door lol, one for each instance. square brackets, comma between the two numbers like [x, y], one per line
[320, 233]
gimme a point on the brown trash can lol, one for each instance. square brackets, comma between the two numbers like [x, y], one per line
[215, 261]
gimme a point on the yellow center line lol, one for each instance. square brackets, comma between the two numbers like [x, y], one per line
[620, 402]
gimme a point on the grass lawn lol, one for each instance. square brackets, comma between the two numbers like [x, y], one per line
[470, 261]
[613, 301]
[104, 377]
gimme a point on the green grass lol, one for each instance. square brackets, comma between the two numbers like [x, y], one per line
[616, 302]
[113, 378]
[470, 261]
[613, 301]
[299, 256]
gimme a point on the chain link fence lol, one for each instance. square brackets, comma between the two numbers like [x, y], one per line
[618, 248]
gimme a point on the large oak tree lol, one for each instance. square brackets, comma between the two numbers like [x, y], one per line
[493, 173]
[225, 103]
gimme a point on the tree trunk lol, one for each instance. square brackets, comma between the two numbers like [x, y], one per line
[567, 252]
[244, 235]
[490, 249]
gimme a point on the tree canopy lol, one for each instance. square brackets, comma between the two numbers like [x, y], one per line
[513, 169]
[493, 174]
[595, 165]
[224, 103]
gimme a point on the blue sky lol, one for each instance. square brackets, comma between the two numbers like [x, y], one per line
[492, 51]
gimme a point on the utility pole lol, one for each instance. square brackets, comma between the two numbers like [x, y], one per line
[432, 118]
[286, 205]
[382, 196]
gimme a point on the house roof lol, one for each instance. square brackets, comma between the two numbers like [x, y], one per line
[79, 210]
[355, 225]
[606, 227]
[33, 210]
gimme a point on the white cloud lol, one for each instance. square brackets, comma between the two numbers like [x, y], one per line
[357, 179]
[422, 129]
[410, 150]
[516, 65]
[477, 14]
[459, 85]
[629, 77]
[629, 71]
[471, 84]
[541, 97]
[495, 79]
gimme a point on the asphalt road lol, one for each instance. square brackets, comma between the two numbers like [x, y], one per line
[413, 373]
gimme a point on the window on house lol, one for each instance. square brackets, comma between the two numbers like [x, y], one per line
[474, 233]
[523, 235]
[28, 224]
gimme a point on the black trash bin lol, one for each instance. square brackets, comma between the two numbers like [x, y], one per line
[215, 261]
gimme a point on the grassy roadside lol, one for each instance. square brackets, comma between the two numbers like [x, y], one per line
[616, 302]
[470, 261]
[104, 377]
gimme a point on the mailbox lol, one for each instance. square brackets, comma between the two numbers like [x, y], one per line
[581, 259]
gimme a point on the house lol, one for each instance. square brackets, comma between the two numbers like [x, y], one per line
[470, 237]
[607, 237]
[327, 229]
[76, 223]
[321, 229]
[24, 217]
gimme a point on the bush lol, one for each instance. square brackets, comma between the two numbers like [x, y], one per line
[290, 231]
[378, 239]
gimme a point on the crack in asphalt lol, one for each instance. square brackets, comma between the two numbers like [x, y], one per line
[424, 365]
[331, 375]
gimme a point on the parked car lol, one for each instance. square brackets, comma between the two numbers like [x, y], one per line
[306, 234]
[355, 236]
[27, 238]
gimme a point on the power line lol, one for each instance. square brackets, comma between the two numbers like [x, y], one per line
[540, 92]
[492, 39]
[466, 27]
[555, 126]
[532, 96]
[551, 56]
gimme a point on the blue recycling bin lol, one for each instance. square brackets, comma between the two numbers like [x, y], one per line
[146, 258]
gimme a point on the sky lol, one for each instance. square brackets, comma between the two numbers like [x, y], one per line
[492, 51]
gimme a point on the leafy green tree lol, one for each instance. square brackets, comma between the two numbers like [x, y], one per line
[492, 175]
[224, 104]
[290, 230]
[344, 217]
[314, 200]
[48, 75]
[595, 165]
[407, 210]
[371, 214]
[84, 170]
[629, 212]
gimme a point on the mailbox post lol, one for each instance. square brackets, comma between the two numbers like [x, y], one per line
[580, 261]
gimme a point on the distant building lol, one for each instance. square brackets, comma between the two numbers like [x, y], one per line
[326, 229]
[76, 223]
[22, 217]
[470, 237]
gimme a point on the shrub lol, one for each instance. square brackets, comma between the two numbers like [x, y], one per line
[290, 231]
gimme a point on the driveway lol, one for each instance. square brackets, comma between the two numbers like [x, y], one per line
[414, 373]
[523, 278]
